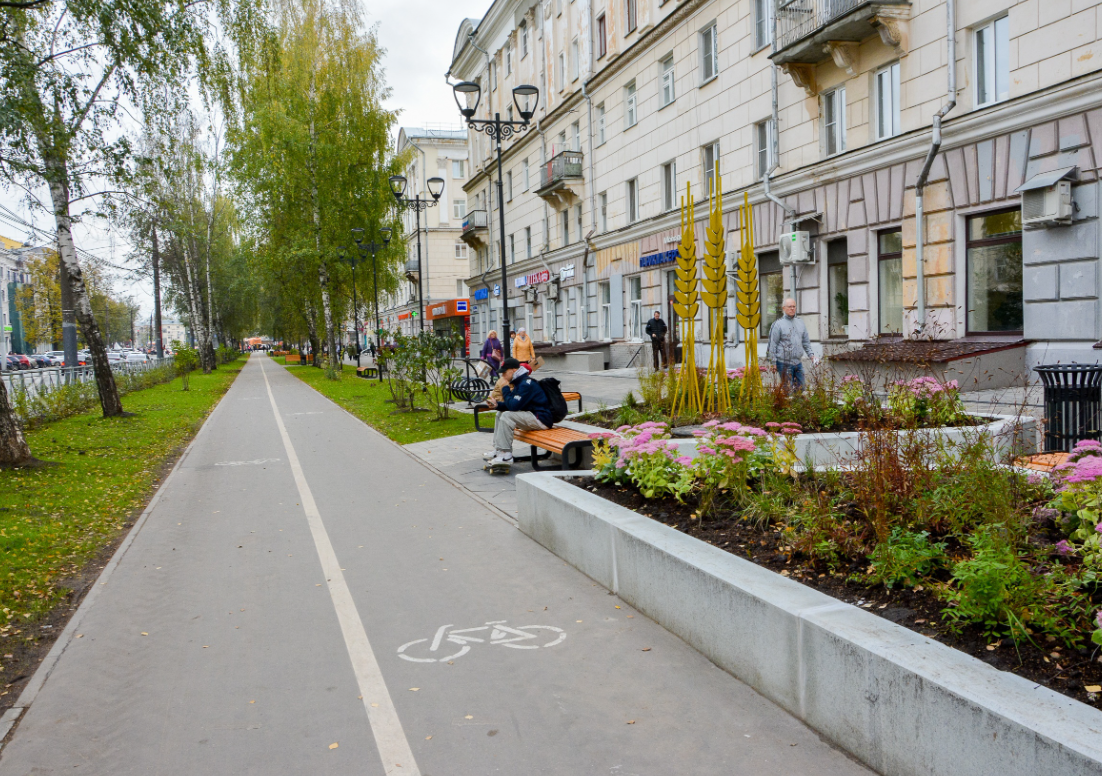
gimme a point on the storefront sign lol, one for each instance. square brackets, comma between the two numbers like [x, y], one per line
[404, 316]
[450, 309]
[497, 289]
[656, 259]
[532, 278]
[482, 293]
[566, 272]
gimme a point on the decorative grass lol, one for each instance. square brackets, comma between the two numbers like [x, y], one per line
[55, 519]
[366, 399]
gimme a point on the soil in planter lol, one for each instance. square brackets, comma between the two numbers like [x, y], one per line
[1044, 661]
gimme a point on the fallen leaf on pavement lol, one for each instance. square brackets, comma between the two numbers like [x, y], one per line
[375, 705]
[617, 607]
[630, 616]
[468, 717]
[252, 701]
[631, 722]
[646, 649]
[428, 738]
[333, 745]
[144, 633]
[1093, 688]
[414, 689]
[80, 635]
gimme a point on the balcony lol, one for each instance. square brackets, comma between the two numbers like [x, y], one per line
[561, 179]
[413, 268]
[474, 229]
[812, 31]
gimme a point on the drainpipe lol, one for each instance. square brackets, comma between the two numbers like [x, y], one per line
[774, 142]
[920, 184]
[592, 213]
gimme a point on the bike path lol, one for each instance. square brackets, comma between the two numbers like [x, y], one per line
[287, 561]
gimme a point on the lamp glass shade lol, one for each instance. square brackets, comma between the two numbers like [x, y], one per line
[358, 235]
[467, 96]
[385, 232]
[526, 97]
[398, 185]
[436, 187]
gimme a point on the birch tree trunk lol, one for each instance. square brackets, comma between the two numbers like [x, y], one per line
[14, 451]
[323, 269]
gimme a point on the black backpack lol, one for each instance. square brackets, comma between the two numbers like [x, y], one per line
[551, 390]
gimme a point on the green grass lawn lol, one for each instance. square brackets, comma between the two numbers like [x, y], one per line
[54, 520]
[366, 399]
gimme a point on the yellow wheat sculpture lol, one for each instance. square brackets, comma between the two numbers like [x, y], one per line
[748, 302]
[718, 398]
[686, 305]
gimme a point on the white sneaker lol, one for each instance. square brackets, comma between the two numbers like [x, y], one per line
[489, 456]
[501, 459]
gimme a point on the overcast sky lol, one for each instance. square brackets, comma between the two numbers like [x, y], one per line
[418, 37]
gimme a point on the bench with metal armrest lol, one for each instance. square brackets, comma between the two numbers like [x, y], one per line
[567, 442]
[569, 396]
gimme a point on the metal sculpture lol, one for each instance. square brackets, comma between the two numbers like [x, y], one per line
[748, 302]
[718, 398]
[687, 305]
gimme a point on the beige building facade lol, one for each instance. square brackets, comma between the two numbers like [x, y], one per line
[821, 112]
[435, 152]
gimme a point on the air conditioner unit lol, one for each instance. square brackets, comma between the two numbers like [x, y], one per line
[795, 248]
[553, 289]
[530, 294]
[1048, 205]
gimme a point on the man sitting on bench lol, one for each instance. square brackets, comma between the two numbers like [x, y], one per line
[523, 405]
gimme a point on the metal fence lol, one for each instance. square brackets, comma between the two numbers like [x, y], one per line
[796, 19]
[47, 378]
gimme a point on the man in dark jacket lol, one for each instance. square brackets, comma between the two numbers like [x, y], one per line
[523, 405]
[656, 330]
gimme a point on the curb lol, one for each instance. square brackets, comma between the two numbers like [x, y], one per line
[895, 700]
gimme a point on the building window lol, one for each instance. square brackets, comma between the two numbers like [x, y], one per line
[459, 208]
[549, 319]
[512, 249]
[562, 143]
[669, 186]
[995, 272]
[667, 94]
[834, 121]
[710, 164]
[575, 60]
[576, 136]
[629, 15]
[709, 53]
[509, 112]
[493, 78]
[604, 290]
[508, 61]
[559, 72]
[633, 200]
[523, 40]
[509, 185]
[601, 124]
[459, 168]
[460, 250]
[763, 146]
[890, 274]
[578, 219]
[763, 23]
[887, 101]
[524, 172]
[770, 289]
[992, 62]
[527, 242]
[838, 287]
[602, 198]
[565, 227]
[630, 116]
[602, 36]
[635, 306]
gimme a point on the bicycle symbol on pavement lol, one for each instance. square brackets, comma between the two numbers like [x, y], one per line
[500, 633]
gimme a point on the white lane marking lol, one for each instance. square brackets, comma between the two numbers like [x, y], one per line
[390, 738]
[500, 633]
[256, 462]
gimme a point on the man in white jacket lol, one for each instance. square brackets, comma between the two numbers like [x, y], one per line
[788, 343]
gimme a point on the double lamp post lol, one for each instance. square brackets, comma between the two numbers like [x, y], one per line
[372, 247]
[525, 97]
[417, 205]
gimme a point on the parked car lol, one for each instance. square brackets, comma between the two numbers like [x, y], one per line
[40, 360]
[13, 363]
[57, 357]
[24, 361]
[137, 358]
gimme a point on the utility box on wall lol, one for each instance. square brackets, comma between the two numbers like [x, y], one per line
[1047, 200]
[795, 248]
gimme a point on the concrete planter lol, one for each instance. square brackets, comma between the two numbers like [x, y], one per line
[902, 704]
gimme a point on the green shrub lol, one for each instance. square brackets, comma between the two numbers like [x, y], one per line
[906, 558]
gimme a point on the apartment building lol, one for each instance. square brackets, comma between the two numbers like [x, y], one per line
[434, 152]
[822, 112]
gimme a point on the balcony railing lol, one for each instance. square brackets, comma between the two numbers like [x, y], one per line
[808, 24]
[413, 267]
[476, 219]
[567, 164]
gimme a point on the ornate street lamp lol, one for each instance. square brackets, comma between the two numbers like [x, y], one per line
[417, 204]
[373, 248]
[526, 97]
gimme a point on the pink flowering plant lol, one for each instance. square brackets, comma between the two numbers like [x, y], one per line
[1079, 498]
[729, 455]
[644, 456]
[926, 401]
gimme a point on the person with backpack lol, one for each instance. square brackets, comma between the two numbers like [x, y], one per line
[523, 405]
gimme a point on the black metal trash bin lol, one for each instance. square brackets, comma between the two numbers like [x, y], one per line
[1073, 400]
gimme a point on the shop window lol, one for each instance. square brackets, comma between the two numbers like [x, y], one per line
[838, 287]
[890, 275]
[995, 272]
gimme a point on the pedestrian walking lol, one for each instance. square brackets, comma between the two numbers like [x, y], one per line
[656, 330]
[788, 343]
[491, 351]
[524, 405]
[524, 350]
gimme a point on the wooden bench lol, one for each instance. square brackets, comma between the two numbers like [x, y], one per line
[569, 396]
[368, 372]
[567, 442]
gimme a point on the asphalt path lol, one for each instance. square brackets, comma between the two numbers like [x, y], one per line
[304, 597]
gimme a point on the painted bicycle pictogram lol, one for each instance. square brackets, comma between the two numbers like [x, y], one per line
[456, 642]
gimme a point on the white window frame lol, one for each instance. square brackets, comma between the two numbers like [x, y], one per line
[524, 171]
[709, 168]
[575, 60]
[508, 185]
[631, 16]
[527, 242]
[602, 35]
[885, 90]
[635, 307]
[601, 124]
[578, 219]
[669, 185]
[523, 40]
[461, 250]
[763, 24]
[631, 105]
[512, 249]
[632, 200]
[985, 62]
[564, 215]
[459, 209]
[602, 198]
[834, 121]
[604, 296]
[559, 77]
[459, 169]
[667, 91]
[508, 60]
[763, 147]
[709, 54]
